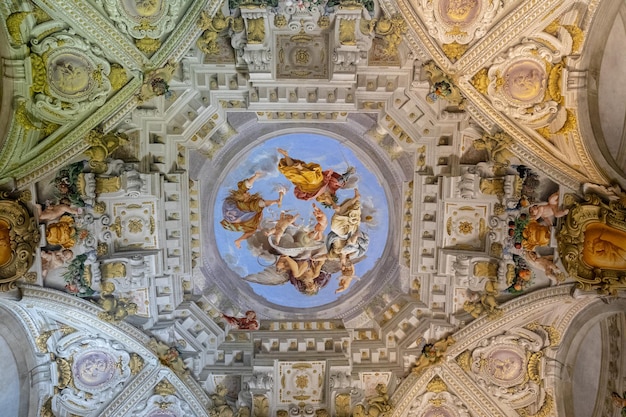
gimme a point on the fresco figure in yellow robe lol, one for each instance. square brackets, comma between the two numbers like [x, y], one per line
[243, 211]
[310, 182]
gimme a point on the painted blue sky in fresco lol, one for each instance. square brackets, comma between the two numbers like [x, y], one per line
[253, 261]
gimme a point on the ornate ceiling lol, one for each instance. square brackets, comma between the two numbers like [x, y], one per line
[313, 208]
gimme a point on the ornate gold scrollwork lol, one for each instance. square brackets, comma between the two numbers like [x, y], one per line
[392, 30]
[592, 244]
[19, 237]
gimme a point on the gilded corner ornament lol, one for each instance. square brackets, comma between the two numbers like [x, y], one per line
[156, 82]
[454, 50]
[442, 87]
[432, 353]
[392, 30]
[214, 27]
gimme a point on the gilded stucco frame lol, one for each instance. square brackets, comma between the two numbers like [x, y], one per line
[19, 238]
[592, 243]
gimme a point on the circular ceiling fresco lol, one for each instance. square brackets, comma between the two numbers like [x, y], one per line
[301, 220]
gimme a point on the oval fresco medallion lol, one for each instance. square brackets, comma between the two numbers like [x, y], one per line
[459, 12]
[525, 82]
[506, 366]
[301, 220]
[69, 75]
[93, 370]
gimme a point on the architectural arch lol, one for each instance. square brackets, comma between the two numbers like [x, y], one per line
[20, 364]
[603, 131]
[595, 333]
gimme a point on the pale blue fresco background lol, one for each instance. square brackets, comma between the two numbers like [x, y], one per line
[330, 154]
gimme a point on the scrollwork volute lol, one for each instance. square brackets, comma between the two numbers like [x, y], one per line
[525, 83]
[70, 77]
[508, 366]
[89, 371]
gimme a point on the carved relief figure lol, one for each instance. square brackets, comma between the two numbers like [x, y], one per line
[156, 82]
[54, 211]
[379, 404]
[604, 247]
[432, 353]
[442, 87]
[496, 147]
[505, 369]
[54, 259]
[524, 81]
[220, 407]
[212, 27]
[169, 356]
[70, 76]
[479, 303]
[545, 264]
[147, 7]
[459, 10]
[115, 309]
[94, 369]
